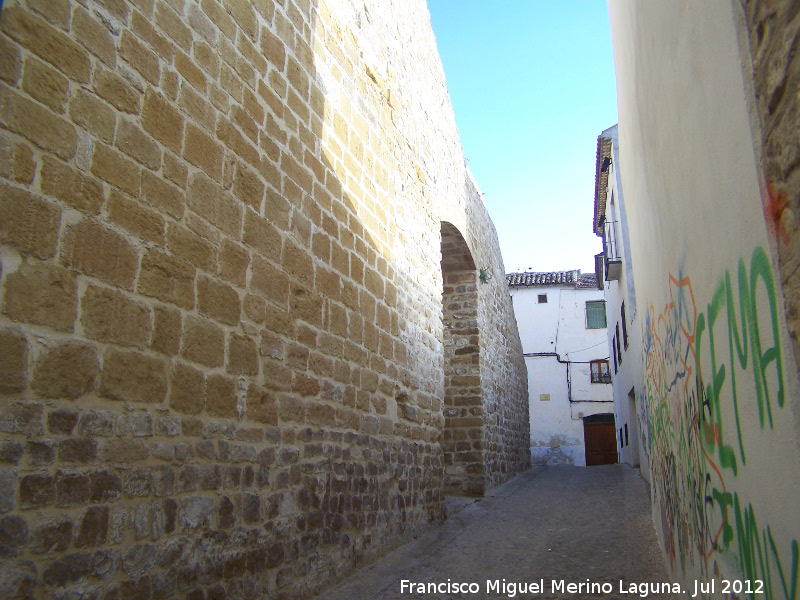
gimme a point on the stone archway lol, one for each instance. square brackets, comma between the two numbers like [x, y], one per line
[463, 395]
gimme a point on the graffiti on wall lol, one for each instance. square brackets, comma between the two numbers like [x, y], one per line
[714, 387]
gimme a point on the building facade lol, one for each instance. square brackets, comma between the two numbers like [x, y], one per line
[708, 147]
[562, 324]
[615, 266]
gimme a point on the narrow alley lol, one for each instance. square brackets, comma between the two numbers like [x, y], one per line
[549, 524]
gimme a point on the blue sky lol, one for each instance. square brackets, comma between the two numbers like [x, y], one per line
[532, 85]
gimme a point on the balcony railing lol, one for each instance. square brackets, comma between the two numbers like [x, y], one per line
[613, 259]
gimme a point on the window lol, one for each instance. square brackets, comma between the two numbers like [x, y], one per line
[624, 327]
[542, 298]
[613, 352]
[600, 372]
[619, 352]
[626, 434]
[595, 314]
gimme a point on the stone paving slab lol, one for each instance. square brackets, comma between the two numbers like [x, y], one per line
[555, 524]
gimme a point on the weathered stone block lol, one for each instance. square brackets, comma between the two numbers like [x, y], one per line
[242, 355]
[218, 300]
[66, 371]
[95, 250]
[71, 187]
[195, 511]
[93, 529]
[13, 360]
[72, 488]
[132, 376]
[203, 342]
[166, 278]
[40, 126]
[78, 450]
[221, 396]
[110, 316]
[13, 535]
[52, 536]
[104, 486]
[36, 490]
[28, 222]
[22, 417]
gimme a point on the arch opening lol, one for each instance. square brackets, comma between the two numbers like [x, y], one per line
[462, 440]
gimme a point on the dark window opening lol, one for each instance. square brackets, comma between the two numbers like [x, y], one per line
[619, 351]
[614, 353]
[542, 298]
[624, 327]
[626, 434]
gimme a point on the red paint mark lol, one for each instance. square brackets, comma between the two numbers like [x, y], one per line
[777, 202]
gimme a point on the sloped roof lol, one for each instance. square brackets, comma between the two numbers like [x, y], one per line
[604, 145]
[587, 281]
[529, 278]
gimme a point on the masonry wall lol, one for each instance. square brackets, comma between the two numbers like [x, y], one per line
[721, 402]
[221, 331]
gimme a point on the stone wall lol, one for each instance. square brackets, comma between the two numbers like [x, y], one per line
[773, 40]
[221, 327]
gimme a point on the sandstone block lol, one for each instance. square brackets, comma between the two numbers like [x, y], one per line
[137, 144]
[210, 201]
[89, 112]
[94, 36]
[166, 330]
[46, 130]
[48, 43]
[262, 236]
[242, 355]
[45, 84]
[92, 249]
[202, 151]
[203, 342]
[218, 300]
[41, 294]
[262, 406]
[162, 195]
[109, 165]
[28, 222]
[233, 263]
[10, 62]
[135, 217]
[66, 371]
[187, 389]
[163, 121]
[71, 186]
[172, 24]
[13, 361]
[67, 569]
[195, 511]
[139, 57]
[131, 376]
[221, 396]
[166, 278]
[110, 316]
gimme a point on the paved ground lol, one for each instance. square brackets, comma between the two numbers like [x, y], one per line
[555, 523]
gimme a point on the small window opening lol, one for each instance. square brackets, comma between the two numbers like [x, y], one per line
[542, 298]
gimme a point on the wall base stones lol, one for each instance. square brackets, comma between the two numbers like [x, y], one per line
[222, 336]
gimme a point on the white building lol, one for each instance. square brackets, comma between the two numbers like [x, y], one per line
[562, 326]
[615, 275]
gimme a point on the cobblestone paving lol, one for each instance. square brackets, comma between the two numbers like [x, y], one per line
[547, 525]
